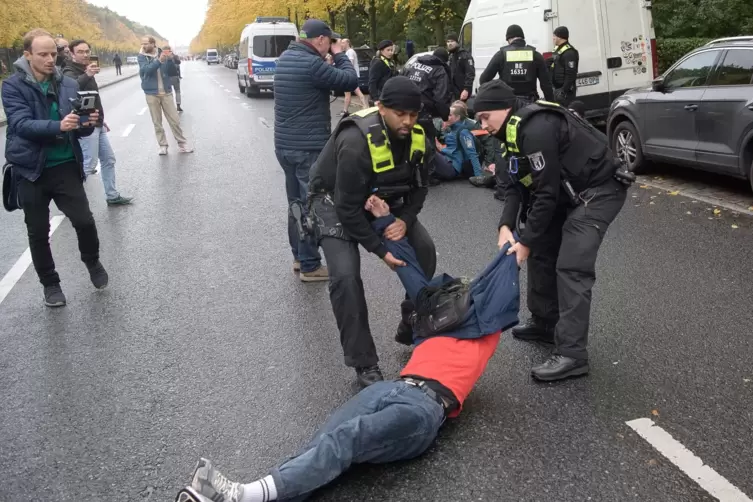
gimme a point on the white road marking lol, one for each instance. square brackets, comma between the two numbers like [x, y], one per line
[686, 460]
[227, 90]
[128, 130]
[143, 110]
[236, 97]
[18, 268]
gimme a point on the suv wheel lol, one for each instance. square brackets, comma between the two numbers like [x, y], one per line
[627, 146]
[750, 175]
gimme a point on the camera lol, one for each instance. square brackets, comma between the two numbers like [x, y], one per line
[85, 103]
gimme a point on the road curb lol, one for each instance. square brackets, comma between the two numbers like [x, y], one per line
[4, 122]
[701, 198]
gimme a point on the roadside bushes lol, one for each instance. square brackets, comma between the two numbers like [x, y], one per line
[672, 49]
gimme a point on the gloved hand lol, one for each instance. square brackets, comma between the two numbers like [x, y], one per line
[559, 95]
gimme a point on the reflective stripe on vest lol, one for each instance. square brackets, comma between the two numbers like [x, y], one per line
[513, 125]
[525, 56]
[381, 153]
[560, 51]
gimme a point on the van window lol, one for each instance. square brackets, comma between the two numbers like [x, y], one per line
[737, 68]
[466, 37]
[211, 53]
[244, 48]
[271, 46]
[693, 72]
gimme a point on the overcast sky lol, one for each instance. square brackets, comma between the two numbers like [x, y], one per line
[177, 20]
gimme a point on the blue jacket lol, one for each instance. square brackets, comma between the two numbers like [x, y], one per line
[30, 129]
[495, 292]
[303, 81]
[149, 65]
[460, 146]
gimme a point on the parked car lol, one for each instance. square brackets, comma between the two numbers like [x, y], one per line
[132, 60]
[365, 55]
[699, 113]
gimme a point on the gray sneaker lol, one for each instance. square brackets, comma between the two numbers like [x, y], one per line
[53, 296]
[209, 485]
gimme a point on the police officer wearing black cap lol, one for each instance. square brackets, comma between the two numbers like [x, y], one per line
[564, 66]
[432, 76]
[462, 69]
[519, 66]
[577, 188]
[382, 69]
[380, 151]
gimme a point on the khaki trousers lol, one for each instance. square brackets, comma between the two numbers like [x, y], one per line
[158, 105]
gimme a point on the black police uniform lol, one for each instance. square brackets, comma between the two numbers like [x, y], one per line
[349, 170]
[519, 65]
[432, 76]
[380, 71]
[564, 71]
[566, 166]
[462, 72]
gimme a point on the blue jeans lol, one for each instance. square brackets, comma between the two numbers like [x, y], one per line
[385, 422]
[97, 147]
[296, 165]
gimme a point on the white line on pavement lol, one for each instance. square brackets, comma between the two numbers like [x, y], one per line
[143, 110]
[18, 269]
[236, 97]
[686, 460]
[128, 130]
[227, 90]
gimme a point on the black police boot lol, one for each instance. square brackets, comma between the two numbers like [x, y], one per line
[369, 376]
[434, 181]
[535, 330]
[404, 333]
[560, 367]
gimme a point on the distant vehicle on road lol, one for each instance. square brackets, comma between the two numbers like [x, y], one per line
[615, 40]
[213, 57]
[365, 55]
[132, 60]
[698, 114]
[261, 44]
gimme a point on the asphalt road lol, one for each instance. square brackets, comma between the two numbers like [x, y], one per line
[206, 344]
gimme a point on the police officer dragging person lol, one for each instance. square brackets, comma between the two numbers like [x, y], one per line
[379, 151]
[577, 188]
[564, 67]
[462, 69]
[519, 66]
[382, 69]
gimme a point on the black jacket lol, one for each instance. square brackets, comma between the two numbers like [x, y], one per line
[565, 70]
[117, 61]
[497, 64]
[85, 83]
[432, 76]
[380, 72]
[462, 72]
[173, 67]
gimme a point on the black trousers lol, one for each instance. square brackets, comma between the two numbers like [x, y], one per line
[562, 268]
[427, 123]
[64, 185]
[347, 295]
[566, 98]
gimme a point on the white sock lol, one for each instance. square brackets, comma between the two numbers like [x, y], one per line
[263, 490]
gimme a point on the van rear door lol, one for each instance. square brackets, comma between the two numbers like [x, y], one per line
[629, 43]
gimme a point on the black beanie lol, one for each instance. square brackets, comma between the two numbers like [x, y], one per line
[442, 54]
[453, 37]
[384, 44]
[494, 95]
[562, 32]
[514, 31]
[400, 93]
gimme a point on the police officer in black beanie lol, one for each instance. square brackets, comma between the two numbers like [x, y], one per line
[462, 69]
[564, 67]
[380, 151]
[382, 69]
[519, 66]
[576, 190]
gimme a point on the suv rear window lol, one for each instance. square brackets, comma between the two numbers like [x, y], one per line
[271, 46]
[737, 68]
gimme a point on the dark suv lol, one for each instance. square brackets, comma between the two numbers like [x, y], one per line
[698, 114]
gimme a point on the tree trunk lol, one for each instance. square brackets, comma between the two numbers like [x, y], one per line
[372, 23]
[348, 33]
[332, 19]
[439, 36]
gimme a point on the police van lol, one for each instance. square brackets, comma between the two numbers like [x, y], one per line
[212, 57]
[261, 44]
[615, 40]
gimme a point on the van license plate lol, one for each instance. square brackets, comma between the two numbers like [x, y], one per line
[363, 68]
[264, 77]
[583, 82]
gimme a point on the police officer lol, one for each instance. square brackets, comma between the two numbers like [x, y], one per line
[378, 151]
[564, 66]
[574, 182]
[462, 69]
[382, 68]
[519, 66]
[432, 76]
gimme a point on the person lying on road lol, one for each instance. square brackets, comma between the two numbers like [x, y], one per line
[458, 324]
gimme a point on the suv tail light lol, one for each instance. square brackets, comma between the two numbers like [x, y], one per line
[654, 58]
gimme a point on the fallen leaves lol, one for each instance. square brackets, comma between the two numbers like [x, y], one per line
[653, 461]
[717, 211]
[676, 192]
[735, 226]
[655, 413]
[644, 186]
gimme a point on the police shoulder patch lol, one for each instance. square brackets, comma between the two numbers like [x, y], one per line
[571, 64]
[468, 141]
[537, 161]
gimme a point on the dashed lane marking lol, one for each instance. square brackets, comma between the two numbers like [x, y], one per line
[687, 461]
[128, 130]
[143, 110]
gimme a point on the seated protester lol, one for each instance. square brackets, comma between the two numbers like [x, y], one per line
[460, 158]
[399, 419]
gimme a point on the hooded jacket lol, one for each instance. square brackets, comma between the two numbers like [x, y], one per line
[85, 83]
[432, 76]
[153, 73]
[30, 130]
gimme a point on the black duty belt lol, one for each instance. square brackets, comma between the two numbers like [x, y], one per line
[427, 390]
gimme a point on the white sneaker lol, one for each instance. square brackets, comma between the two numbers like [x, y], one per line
[163, 150]
[185, 149]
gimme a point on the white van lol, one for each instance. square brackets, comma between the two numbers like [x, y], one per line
[261, 44]
[212, 57]
[615, 40]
